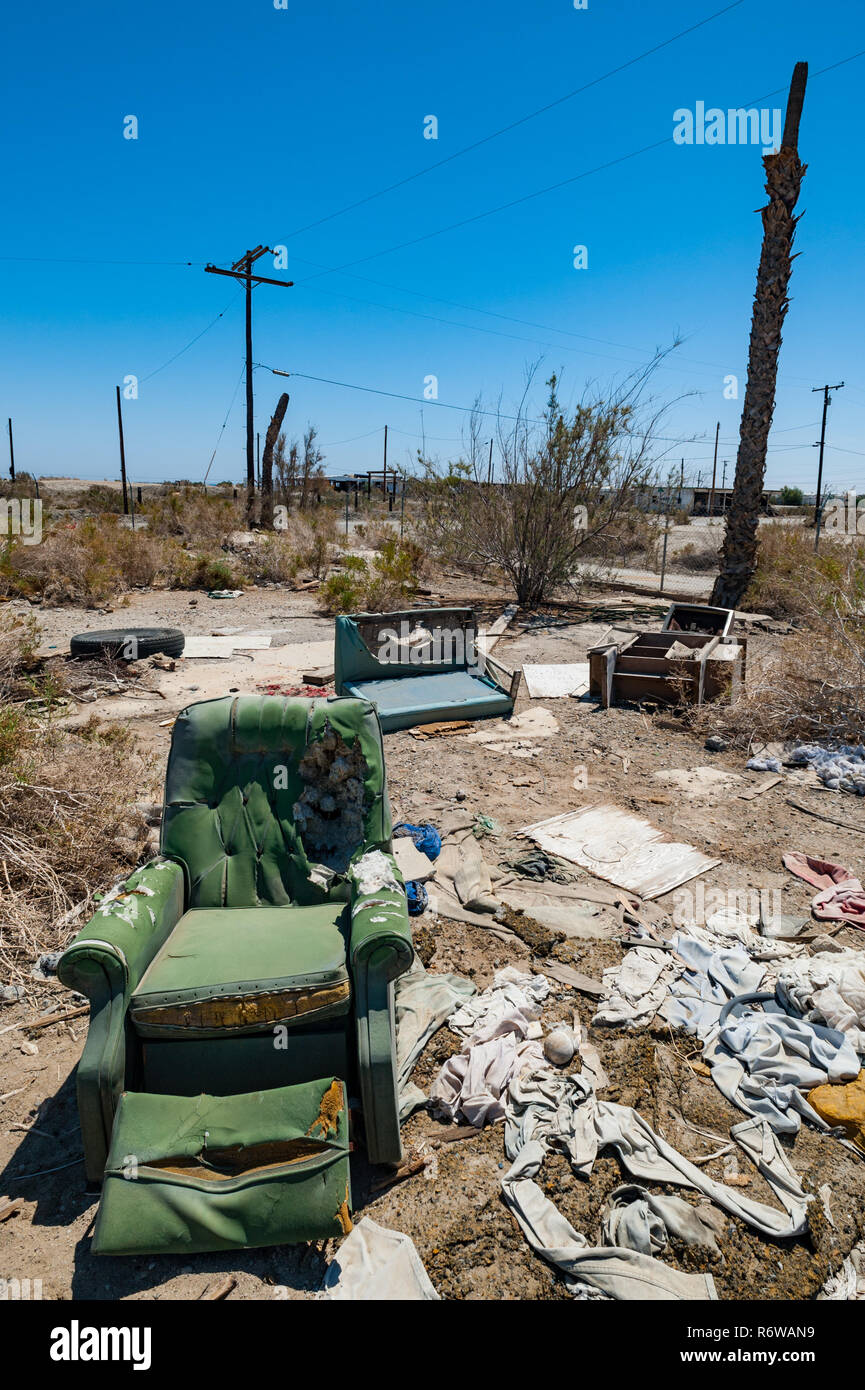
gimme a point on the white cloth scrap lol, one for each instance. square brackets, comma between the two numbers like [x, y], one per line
[762, 1060]
[644, 1221]
[473, 1083]
[423, 1002]
[548, 1110]
[374, 1264]
[511, 989]
[636, 988]
[498, 1028]
[829, 988]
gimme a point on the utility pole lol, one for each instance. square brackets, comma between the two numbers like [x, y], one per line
[490, 465]
[681, 481]
[714, 469]
[818, 505]
[384, 468]
[258, 458]
[11, 452]
[122, 454]
[242, 271]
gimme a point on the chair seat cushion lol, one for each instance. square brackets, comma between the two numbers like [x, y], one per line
[404, 701]
[241, 970]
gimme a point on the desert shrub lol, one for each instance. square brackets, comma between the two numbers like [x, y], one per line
[194, 517]
[791, 497]
[68, 827]
[811, 684]
[789, 575]
[100, 498]
[697, 555]
[372, 587]
[632, 537]
[274, 559]
[202, 570]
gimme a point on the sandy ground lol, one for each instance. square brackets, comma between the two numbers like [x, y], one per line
[470, 1245]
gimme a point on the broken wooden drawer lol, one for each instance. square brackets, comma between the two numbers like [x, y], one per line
[188, 1174]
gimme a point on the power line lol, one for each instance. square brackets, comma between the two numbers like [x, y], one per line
[537, 193]
[513, 125]
[192, 341]
[225, 422]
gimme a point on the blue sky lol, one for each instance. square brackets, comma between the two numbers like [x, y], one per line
[254, 122]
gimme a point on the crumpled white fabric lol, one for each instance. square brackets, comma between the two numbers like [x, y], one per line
[643, 1220]
[711, 974]
[511, 989]
[423, 1002]
[828, 988]
[616, 1271]
[636, 987]
[473, 1083]
[376, 1264]
[762, 1060]
[548, 1110]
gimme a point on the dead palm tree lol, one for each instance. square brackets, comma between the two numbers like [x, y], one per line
[784, 174]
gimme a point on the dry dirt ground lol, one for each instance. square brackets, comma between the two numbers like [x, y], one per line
[468, 1242]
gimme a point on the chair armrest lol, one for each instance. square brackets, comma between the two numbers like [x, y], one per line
[126, 931]
[379, 916]
[503, 675]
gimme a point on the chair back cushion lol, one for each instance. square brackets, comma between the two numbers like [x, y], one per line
[255, 796]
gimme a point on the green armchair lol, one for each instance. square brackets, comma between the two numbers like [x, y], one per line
[259, 951]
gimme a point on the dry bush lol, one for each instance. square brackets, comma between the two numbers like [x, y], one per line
[811, 684]
[376, 587]
[191, 516]
[273, 560]
[787, 568]
[631, 538]
[701, 556]
[68, 828]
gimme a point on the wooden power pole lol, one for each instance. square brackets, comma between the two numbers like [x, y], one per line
[818, 504]
[122, 454]
[242, 271]
[11, 452]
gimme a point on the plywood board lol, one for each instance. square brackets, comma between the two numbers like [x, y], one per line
[622, 848]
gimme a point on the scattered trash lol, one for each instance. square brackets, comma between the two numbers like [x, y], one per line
[224, 593]
[425, 837]
[843, 1107]
[442, 729]
[840, 769]
[374, 1264]
[416, 897]
[560, 1046]
[620, 847]
[841, 897]
[45, 968]
[763, 765]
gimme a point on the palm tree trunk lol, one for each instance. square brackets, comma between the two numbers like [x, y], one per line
[267, 462]
[784, 174]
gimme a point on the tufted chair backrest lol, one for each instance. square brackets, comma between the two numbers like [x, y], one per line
[231, 785]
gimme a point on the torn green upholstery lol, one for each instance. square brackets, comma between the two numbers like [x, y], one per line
[105, 962]
[232, 1172]
[232, 783]
[246, 955]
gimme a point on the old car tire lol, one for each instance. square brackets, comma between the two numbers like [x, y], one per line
[115, 642]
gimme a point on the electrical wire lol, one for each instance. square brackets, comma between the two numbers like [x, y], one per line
[514, 125]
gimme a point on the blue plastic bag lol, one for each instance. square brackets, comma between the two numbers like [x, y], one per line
[426, 837]
[416, 897]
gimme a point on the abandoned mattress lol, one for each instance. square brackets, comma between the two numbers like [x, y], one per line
[188, 1174]
[240, 970]
[407, 700]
